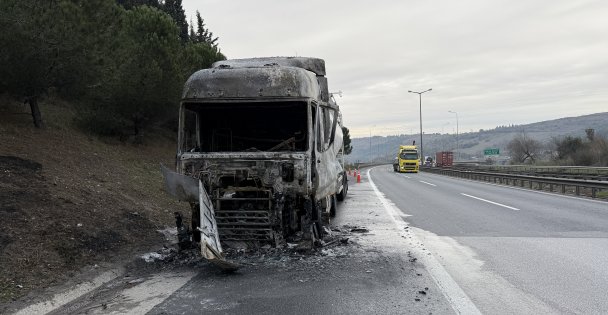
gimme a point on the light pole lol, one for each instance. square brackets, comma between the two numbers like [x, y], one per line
[420, 98]
[457, 147]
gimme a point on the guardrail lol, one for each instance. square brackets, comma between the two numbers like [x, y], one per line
[578, 187]
[364, 165]
[575, 172]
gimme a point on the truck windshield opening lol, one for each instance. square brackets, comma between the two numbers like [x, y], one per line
[246, 127]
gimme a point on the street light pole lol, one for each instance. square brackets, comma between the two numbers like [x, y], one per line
[420, 99]
[457, 147]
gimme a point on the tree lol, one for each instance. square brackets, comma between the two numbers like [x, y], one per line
[196, 56]
[125, 61]
[46, 45]
[129, 4]
[142, 84]
[202, 34]
[175, 9]
[590, 133]
[524, 149]
[575, 151]
[599, 150]
[567, 147]
[347, 142]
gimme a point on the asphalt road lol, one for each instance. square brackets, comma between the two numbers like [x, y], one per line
[425, 244]
[511, 250]
[382, 270]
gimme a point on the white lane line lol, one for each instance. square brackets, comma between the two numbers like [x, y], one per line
[527, 190]
[488, 201]
[458, 299]
[427, 183]
[406, 176]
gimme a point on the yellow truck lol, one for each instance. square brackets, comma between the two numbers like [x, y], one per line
[407, 159]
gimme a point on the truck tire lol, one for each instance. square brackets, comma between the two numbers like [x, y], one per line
[334, 205]
[342, 195]
[318, 220]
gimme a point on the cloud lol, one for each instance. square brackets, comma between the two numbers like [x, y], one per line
[494, 62]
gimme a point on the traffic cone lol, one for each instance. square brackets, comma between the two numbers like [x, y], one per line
[358, 176]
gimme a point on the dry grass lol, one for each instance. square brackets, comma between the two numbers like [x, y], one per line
[70, 199]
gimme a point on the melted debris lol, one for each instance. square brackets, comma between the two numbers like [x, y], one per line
[296, 253]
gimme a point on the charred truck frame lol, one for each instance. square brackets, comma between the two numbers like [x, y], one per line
[263, 139]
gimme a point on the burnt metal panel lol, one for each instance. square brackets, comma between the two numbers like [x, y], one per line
[184, 188]
[210, 240]
[315, 65]
[267, 82]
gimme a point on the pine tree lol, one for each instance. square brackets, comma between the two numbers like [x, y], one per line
[346, 136]
[202, 34]
[130, 4]
[175, 9]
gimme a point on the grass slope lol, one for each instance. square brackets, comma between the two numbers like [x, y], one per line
[68, 200]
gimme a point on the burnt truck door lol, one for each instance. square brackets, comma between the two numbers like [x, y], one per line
[327, 144]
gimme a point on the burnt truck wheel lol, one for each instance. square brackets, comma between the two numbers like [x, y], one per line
[317, 219]
[342, 195]
[334, 204]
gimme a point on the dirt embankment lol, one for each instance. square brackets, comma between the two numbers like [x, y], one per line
[68, 200]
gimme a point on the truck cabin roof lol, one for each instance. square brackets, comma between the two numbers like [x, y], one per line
[255, 78]
[315, 65]
[266, 82]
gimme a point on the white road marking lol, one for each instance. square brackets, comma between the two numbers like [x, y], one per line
[427, 183]
[406, 176]
[458, 299]
[63, 298]
[488, 201]
[138, 299]
[143, 297]
[523, 189]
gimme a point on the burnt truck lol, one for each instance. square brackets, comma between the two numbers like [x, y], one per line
[259, 152]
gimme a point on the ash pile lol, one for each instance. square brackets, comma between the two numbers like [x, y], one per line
[295, 251]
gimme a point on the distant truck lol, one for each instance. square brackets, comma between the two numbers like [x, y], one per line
[407, 159]
[258, 153]
[444, 159]
[428, 161]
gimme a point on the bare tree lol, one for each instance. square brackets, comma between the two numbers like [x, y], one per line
[590, 133]
[524, 149]
[598, 148]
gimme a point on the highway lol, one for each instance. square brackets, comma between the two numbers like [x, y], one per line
[377, 271]
[417, 244]
[510, 250]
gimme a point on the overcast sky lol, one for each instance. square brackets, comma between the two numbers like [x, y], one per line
[493, 62]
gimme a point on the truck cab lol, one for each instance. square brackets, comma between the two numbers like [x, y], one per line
[407, 159]
[263, 137]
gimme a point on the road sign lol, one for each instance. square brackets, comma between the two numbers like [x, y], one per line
[493, 151]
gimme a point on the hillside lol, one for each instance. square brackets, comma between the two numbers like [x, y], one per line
[69, 200]
[472, 144]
